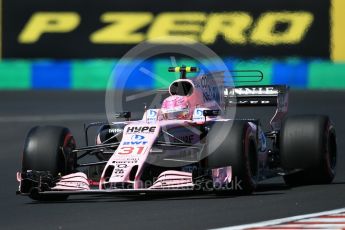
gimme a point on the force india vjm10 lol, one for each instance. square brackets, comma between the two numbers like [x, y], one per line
[186, 145]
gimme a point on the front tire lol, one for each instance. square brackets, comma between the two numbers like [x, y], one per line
[238, 150]
[49, 148]
[308, 144]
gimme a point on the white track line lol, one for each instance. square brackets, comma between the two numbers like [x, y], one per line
[55, 117]
[285, 220]
[323, 220]
[309, 226]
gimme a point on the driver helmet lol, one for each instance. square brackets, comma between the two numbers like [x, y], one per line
[175, 107]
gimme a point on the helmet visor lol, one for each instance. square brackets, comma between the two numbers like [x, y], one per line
[176, 114]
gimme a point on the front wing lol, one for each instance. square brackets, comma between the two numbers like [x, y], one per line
[33, 183]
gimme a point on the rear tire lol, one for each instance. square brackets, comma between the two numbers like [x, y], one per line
[49, 148]
[308, 143]
[238, 150]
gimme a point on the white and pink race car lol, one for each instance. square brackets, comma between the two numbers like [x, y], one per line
[188, 145]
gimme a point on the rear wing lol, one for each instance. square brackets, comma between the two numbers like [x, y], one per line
[260, 95]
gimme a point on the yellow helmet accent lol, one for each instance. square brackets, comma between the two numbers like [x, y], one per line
[186, 69]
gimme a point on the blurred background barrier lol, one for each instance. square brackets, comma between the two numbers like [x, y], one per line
[95, 74]
[63, 44]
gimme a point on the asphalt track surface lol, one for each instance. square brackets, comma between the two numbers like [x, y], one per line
[19, 111]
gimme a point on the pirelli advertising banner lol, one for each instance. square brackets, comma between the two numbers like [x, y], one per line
[108, 28]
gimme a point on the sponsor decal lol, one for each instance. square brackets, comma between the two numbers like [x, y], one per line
[121, 28]
[141, 129]
[126, 150]
[199, 112]
[212, 94]
[209, 88]
[115, 130]
[126, 161]
[152, 113]
[119, 171]
[66, 29]
[121, 166]
[134, 142]
[251, 91]
[198, 115]
[137, 137]
[253, 102]
[118, 175]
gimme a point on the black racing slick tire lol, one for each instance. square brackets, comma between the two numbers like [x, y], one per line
[238, 150]
[49, 148]
[308, 146]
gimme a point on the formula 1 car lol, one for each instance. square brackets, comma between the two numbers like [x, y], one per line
[188, 145]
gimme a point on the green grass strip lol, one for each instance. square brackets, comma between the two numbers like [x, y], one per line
[326, 75]
[15, 75]
[91, 75]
